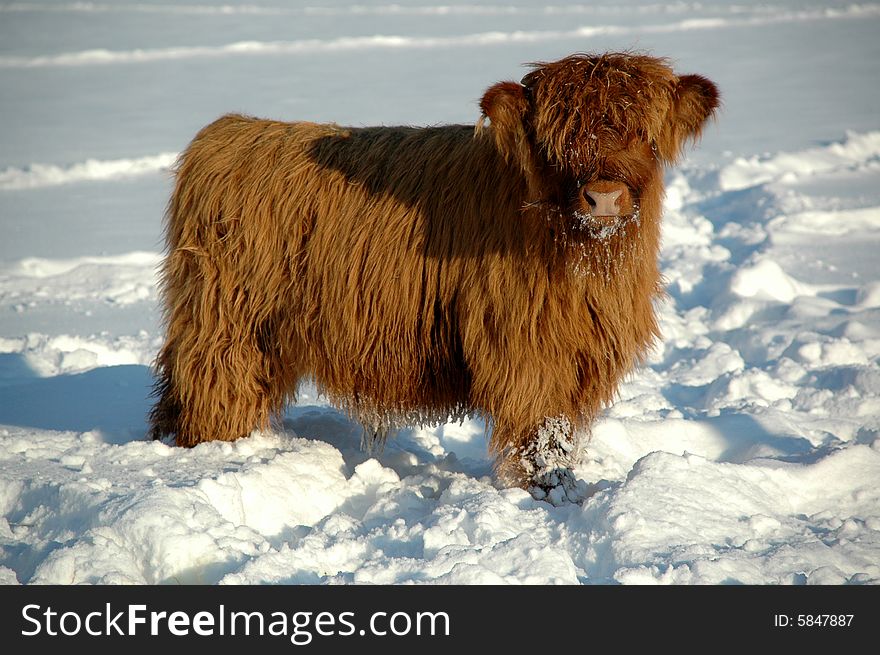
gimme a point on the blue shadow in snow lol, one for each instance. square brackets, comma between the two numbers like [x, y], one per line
[742, 437]
[113, 400]
[336, 428]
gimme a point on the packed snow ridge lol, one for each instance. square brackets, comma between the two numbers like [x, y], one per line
[102, 56]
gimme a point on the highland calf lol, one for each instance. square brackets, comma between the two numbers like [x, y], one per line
[422, 274]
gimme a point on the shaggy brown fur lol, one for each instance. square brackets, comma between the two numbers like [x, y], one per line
[420, 274]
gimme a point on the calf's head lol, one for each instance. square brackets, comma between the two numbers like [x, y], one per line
[591, 134]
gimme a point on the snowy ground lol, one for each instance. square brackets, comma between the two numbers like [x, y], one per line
[748, 450]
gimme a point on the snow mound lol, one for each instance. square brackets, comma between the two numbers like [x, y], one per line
[117, 280]
[43, 175]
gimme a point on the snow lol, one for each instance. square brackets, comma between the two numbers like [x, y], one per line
[746, 450]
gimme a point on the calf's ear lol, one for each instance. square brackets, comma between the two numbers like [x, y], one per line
[506, 106]
[695, 101]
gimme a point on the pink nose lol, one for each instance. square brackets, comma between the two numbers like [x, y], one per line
[603, 203]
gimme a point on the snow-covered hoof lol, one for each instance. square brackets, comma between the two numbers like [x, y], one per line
[546, 463]
[559, 486]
